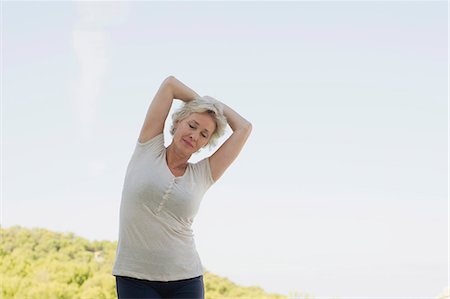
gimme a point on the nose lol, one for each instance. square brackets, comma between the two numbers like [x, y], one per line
[194, 136]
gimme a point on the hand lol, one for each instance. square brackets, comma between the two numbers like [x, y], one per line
[219, 105]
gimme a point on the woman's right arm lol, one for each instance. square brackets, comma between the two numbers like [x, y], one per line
[170, 89]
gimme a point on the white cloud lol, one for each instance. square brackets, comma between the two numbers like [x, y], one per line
[95, 15]
[90, 40]
[90, 48]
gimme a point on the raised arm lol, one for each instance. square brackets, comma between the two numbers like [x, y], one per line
[231, 148]
[170, 89]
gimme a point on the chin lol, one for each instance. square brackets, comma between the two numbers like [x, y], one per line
[188, 150]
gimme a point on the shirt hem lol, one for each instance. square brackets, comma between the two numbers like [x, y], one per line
[164, 278]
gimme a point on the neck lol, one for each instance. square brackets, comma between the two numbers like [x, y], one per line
[175, 159]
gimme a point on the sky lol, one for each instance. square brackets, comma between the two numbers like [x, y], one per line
[342, 188]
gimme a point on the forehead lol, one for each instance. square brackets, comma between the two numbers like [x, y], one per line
[204, 120]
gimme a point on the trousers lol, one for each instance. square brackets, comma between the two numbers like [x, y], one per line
[129, 287]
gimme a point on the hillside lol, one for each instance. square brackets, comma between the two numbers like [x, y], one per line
[38, 263]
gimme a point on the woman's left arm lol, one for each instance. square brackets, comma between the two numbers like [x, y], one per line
[231, 148]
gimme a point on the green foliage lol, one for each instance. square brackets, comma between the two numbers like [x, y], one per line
[37, 263]
[218, 288]
[40, 264]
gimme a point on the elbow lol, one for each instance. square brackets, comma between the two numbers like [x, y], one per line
[169, 79]
[170, 82]
[248, 127]
[244, 128]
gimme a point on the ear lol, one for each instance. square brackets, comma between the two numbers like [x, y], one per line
[175, 125]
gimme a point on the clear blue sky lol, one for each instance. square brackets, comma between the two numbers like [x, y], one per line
[342, 189]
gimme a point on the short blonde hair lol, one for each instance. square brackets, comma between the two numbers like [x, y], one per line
[200, 105]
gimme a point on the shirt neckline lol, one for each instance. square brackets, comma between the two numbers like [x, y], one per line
[170, 171]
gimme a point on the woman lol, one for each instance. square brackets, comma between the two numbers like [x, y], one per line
[156, 255]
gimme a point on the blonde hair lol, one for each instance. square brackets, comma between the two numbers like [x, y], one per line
[200, 105]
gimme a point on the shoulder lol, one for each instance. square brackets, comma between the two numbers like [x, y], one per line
[202, 171]
[155, 144]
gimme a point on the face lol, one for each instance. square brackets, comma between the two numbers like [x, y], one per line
[194, 132]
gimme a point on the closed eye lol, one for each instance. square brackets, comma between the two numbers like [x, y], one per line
[194, 127]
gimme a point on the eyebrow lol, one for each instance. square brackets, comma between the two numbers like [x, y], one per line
[199, 125]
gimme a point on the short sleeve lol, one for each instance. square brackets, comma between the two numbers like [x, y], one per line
[202, 171]
[154, 145]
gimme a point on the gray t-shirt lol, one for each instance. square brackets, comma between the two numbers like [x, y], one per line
[156, 241]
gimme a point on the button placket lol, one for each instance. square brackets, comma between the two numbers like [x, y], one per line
[166, 196]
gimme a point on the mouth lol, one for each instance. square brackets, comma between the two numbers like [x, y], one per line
[188, 143]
